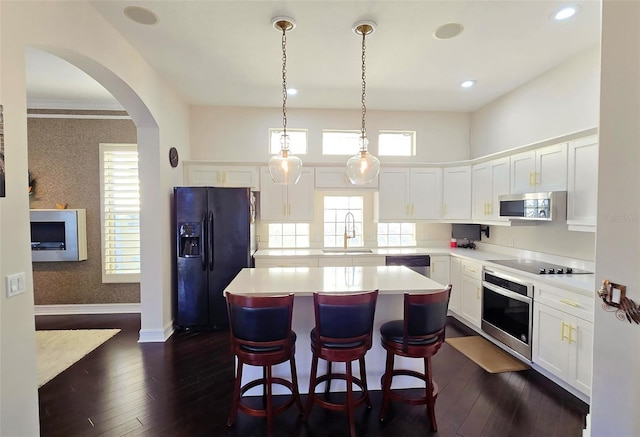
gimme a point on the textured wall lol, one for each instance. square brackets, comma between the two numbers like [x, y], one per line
[64, 160]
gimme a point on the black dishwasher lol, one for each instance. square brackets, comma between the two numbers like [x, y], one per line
[417, 263]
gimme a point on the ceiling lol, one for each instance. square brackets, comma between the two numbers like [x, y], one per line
[226, 53]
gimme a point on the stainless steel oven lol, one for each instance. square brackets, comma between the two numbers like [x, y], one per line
[507, 310]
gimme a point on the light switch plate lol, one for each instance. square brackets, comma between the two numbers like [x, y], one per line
[15, 284]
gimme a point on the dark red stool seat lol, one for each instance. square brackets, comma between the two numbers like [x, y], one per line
[343, 333]
[261, 335]
[419, 335]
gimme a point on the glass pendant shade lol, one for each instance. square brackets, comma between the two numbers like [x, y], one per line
[285, 168]
[363, 167]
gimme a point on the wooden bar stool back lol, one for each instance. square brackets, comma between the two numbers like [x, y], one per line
[343, 333]
[261, 335]
[419, 335]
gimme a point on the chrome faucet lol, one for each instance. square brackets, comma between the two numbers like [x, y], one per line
[349, 233]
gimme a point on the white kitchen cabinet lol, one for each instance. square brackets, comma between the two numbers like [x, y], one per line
[439, 270]
[287, 203]
[563, 345]
[456, 193]
[471, 291]
[490, 180]
[543, 169]
[456, 288]
[337, 178]
[202, 174]
[582, 184]
[290, 261]
[407, 194]
[341, 260]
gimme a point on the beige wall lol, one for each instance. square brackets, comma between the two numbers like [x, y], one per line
[64, 159]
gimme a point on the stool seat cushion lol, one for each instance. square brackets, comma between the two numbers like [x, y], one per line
[336, 345]
[266, 349]
[393, 331]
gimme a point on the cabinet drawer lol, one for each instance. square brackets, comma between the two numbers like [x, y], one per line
[471, 269]
[571, 303]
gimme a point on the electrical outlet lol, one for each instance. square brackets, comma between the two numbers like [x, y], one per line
[258, 238]
[15, 284]
[511, 241]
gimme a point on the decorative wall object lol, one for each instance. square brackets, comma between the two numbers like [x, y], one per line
[614, 299]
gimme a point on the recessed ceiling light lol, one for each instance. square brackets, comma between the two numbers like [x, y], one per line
[468, 83]
[292, 91]
[447, 31]
[140, 15]
[565, 12]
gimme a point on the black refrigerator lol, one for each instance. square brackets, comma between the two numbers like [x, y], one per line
[214, 241]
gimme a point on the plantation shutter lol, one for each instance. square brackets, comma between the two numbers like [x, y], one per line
[120, 213]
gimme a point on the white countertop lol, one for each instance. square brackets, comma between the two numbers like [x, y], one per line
[584, 284]
[304, 281]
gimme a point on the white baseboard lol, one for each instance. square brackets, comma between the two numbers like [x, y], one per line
[107, 308]
[156, 335]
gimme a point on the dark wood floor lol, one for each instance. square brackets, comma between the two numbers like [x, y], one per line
[183, 388]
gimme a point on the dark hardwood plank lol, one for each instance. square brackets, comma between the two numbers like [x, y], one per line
[183, 388]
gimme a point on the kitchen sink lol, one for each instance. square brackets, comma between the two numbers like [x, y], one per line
[347, 251]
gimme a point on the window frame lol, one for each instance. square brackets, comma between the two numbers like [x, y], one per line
[381, 147]
[107, 276]
[341, 131]
[278, 130]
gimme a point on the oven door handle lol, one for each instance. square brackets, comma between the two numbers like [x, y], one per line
[507, 293]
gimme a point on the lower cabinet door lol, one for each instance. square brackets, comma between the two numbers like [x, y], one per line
[550, 340]
[471, 306]
[581, 356]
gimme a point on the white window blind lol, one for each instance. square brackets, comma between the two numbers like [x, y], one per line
[120, 213]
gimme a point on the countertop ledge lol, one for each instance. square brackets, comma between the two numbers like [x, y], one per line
[583, 284]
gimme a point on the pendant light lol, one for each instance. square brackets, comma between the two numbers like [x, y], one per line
[284, 168]
[363, 167]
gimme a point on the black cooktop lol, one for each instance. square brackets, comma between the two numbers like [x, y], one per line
[539, 267]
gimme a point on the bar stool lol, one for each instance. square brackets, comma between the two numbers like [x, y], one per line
[261, 335]
[343, 333]
[419, 335]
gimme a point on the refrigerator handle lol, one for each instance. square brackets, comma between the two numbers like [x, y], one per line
[203, 257]
[210, 241]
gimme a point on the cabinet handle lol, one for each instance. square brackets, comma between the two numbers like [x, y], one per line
[490, 207]
[469, 269]
[569, 302]
[571, 327]
[478, 293]
[224, 177]
[535, 180]
[532, 178]
[219, 177]
[562, 334]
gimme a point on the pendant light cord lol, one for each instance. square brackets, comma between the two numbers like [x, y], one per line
[285, 144]
[363, 133]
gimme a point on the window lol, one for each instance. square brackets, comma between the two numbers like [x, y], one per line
[335, 212]
[120, 212]
[340, 142]
[283, 235]
[297, 141]
[396, 234]
[397, 143]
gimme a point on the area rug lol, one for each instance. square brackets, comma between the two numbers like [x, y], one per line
[486, 355]
[58, 350]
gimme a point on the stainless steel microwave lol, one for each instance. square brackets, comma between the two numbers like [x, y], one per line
[547, 206]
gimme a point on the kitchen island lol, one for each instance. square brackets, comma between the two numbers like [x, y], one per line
[391, 281]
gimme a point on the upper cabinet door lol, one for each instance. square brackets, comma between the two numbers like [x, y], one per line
[551, 168]
[393, 194]
[582, 186]
[426, 193]
[221, 176]
[456, 193]
[287, 203]
[538, 170]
